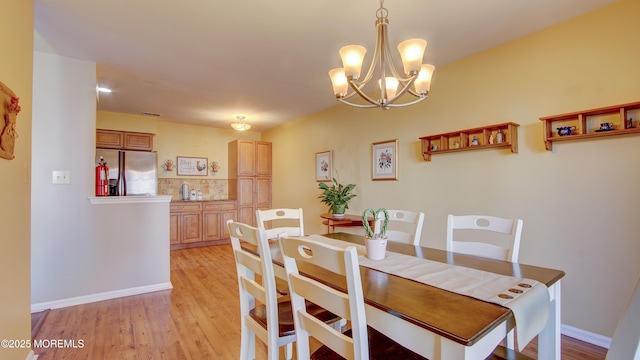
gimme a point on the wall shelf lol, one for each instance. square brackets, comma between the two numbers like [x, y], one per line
[462, 140]
[587, 123]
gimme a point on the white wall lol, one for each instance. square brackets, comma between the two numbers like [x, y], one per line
[579, 202]
[79, 249]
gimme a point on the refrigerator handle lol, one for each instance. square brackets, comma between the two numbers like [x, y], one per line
[122, 180]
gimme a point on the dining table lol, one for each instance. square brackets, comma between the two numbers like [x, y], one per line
[439, 323]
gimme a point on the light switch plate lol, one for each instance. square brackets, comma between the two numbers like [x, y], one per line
[61, 177]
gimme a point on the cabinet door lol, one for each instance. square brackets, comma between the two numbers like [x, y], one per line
[138, 141]
[263, 158]
[246, 158]
[245, 191]
[211, 225]
[174, 228]
[109, 139]
[226, 216]
[263, 193]
[247, 215]
[191, 227]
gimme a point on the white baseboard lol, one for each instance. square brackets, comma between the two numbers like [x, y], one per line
[99, 297]
[586, 336]
[31, 356]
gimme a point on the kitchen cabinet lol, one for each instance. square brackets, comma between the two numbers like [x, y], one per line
[124, 140]
[250, 167]
[201, 223]
[214, 219]
[185, 222]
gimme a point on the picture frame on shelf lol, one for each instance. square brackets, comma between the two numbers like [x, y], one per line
[384, 160]
[192, 166]
[324, 166]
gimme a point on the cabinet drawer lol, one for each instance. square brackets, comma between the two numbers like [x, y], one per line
[185, 207]
[220, 205]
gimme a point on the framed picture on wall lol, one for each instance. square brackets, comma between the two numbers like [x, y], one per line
[192, 166]
[324, 165]
[384, 160]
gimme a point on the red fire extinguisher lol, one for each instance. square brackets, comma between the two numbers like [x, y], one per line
[102, 178]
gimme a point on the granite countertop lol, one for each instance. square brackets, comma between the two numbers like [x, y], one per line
[198, 201]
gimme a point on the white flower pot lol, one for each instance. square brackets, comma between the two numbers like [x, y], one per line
[376, 248]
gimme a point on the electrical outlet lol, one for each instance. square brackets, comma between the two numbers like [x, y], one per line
[61, 177]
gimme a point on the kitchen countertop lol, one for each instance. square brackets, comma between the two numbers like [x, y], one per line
[198, 201]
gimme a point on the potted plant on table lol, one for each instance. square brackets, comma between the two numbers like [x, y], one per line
[376, 241]
[337, 196]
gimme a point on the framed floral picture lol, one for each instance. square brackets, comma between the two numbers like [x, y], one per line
[384, 160]
[323, 166]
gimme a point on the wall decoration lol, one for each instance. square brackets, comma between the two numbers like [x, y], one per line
[215, 166]
[324, 164]
[168, 165]
[384, 160]
[9, 109]
[192, 166]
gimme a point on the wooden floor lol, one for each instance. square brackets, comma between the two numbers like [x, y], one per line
[198, 319]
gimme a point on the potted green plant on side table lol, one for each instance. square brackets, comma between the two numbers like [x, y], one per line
[337, 196]
[375, 241]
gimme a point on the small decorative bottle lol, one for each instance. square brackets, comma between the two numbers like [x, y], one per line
[474, 142]
[499, 136]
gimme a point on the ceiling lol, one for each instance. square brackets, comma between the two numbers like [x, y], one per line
[203, 62]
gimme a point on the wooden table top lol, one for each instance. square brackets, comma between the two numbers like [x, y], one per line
[457, 317]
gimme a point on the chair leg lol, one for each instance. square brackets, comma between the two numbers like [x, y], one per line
[510, 340]
[247, 344]
[288, 351]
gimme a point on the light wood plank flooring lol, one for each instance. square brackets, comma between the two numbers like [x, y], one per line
[198, 319]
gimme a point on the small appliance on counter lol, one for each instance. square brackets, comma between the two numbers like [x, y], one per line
[193, 196]
[185, 192]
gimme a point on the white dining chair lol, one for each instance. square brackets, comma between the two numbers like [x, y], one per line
[404, 226]
[507, 250]
[625, 343]
[280, 221]
[271, 321]
[361, 341]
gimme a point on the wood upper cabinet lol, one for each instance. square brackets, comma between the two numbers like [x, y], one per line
[263, 158]
[138, 141]
[114, 139]
[109, 139]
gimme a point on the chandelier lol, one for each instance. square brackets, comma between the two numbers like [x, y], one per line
[415, 73]
[240, 125]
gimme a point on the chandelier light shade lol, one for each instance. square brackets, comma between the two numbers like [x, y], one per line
[240, 125]
[415, 74]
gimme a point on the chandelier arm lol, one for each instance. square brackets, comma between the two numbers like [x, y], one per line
[407, 103]
[416, 94]
[358, 105]
[376, 54]
[403, 91]
[363, 95]
[392, 64]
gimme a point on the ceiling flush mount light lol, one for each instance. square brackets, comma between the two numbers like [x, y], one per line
[240, 125]
[415, 73]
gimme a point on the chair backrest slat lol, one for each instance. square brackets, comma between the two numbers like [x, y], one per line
[283, 218]
[509, 227]
[408, 223]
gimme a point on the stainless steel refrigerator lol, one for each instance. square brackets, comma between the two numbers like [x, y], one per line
[131, 173]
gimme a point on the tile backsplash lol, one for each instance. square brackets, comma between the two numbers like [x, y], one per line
[212, 189]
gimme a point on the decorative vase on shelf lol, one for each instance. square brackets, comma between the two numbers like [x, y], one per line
[375, 242]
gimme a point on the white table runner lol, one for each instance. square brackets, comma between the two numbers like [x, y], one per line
[527, 299]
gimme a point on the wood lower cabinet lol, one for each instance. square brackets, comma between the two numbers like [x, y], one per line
[214, 219]
[200, 223]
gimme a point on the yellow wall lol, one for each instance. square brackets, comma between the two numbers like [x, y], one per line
[119, 121]
[16, 67]
[579, 202]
